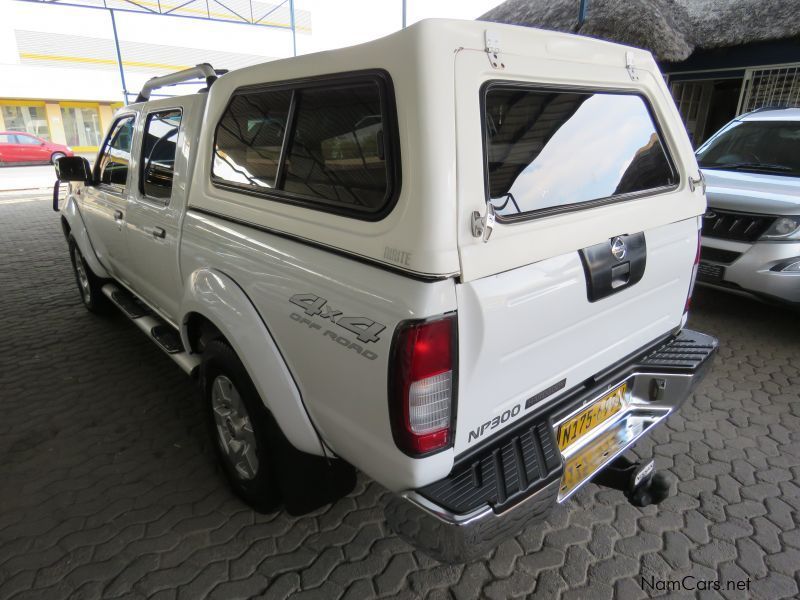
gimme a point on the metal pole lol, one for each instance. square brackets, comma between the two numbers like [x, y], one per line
[119, 56]
[404, 14]
[582, 12]
[294, 28]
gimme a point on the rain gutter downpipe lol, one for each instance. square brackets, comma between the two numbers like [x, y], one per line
[582, 13]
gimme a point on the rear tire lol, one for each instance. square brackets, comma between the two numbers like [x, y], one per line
[240, 426]
[89, 284]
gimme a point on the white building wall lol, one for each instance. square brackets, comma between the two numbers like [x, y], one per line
[67, 53]
[59, 68]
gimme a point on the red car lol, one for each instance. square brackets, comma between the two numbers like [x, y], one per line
[19, 147]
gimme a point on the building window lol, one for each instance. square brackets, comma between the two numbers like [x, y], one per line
[81, 126]
[772, 87]
[26, 118]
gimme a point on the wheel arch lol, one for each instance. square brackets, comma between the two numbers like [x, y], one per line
[72, 223]
[214, 301]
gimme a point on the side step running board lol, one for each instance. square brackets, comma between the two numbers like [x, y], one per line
[164, 335]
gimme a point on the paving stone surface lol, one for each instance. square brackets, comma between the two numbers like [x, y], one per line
[108, 486]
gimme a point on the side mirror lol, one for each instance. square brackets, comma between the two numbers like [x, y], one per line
[73, 168]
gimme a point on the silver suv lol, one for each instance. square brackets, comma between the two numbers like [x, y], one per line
[751, 231]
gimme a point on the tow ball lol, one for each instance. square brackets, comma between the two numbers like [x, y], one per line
[639, 481]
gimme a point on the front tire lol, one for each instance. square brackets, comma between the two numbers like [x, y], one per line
[89, 285]
[55, 156]
[240, 426]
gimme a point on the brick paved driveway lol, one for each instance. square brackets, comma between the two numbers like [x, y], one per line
[108, 486]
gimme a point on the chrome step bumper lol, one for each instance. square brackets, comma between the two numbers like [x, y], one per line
[512, 481]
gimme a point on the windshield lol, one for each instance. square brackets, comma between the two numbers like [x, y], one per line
[758, 146]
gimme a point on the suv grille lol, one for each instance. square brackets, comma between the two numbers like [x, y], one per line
[718, 255]
[742, 227]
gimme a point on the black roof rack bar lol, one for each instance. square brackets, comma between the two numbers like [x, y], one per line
[201, 71]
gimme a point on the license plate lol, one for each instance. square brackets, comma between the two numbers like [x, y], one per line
[587, 461]
[711, 273]
[575, 427]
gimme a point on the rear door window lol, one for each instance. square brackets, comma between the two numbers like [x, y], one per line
[325, 145]
[550, 151]
[112, 166]
[159, 146]
[28, 140]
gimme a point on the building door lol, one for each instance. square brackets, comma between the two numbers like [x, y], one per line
[724, 101]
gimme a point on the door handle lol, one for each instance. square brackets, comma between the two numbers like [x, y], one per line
[158, 232]
[118, 215]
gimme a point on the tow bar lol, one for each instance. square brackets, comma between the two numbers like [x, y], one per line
[639, 481]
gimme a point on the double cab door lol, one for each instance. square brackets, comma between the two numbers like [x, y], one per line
[135, 210]
[106, 202]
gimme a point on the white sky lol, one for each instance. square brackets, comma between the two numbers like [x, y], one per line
[337, 23]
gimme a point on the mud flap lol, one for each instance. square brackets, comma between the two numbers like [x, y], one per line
[307, 482]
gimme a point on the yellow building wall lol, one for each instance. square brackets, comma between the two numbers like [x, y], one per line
[106, 116]
[53, 112]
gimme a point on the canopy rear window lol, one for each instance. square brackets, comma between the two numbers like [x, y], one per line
[551, 151]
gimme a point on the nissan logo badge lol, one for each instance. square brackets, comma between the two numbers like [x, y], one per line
[618, 248]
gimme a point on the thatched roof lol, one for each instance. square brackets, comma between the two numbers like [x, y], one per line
[670, 29]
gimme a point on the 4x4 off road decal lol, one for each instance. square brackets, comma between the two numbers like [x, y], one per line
[365, 330]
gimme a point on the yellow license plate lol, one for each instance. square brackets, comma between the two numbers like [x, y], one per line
[589, 418]
[587, 461]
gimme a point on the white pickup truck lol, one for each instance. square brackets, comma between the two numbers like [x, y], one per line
[458, 258]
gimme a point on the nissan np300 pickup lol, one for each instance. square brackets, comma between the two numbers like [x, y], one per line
[458, 258]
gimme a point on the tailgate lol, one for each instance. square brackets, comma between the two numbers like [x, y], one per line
[591, 255]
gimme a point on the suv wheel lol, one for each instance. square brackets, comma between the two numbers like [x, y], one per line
[240, 426]
[89, 285]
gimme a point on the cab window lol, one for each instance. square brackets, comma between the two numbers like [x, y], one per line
[159, 146]
[116, 155]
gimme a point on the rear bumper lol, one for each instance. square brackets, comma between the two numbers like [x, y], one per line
[515, 478]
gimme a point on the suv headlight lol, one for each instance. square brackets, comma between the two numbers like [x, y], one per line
[784, 228]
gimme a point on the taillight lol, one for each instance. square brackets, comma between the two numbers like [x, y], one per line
[422, 385]
[694, 275]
